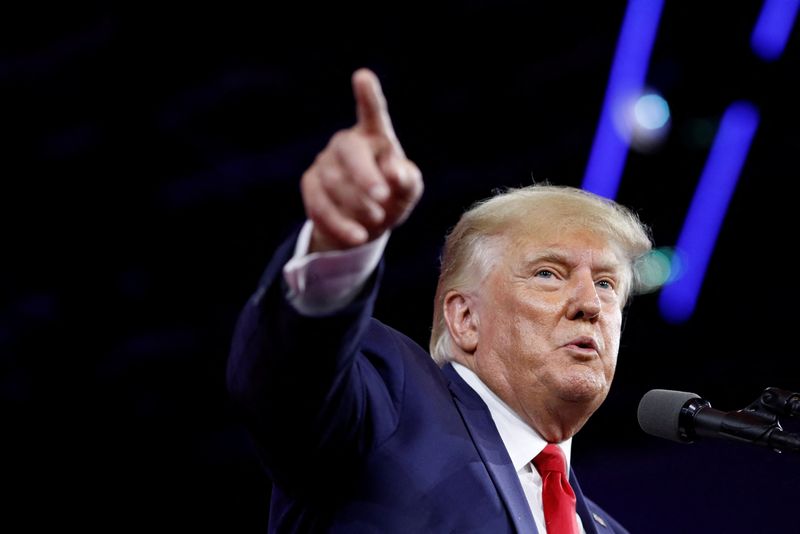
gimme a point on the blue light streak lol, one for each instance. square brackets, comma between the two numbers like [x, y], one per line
[707, 211]
[772, 30]
[611, 141]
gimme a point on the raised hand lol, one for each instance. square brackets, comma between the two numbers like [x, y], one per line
[362, 184]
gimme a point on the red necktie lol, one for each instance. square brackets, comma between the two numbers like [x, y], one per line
[557, 495]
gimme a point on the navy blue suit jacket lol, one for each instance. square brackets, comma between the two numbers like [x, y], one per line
[360, 431]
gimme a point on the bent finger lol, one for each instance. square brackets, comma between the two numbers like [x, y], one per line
[356, 156]
[350, 199]
[327, 217]
[402, 175]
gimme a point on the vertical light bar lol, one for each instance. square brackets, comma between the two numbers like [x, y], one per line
[707, 210]
[772, 30]
[610, 147]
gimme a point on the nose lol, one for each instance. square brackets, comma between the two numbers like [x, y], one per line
[584, 302]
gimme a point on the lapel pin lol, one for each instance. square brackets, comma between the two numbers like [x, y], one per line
[599, 519]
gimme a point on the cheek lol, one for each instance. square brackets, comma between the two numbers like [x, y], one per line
[612, 336]
[528, 326]
[508, 314]
[611, 367]
[539, 302]
[536, 308]
[613, 321]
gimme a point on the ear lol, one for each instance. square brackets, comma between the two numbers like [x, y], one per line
[462, 320]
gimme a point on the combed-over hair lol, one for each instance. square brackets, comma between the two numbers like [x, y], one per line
[475, 242]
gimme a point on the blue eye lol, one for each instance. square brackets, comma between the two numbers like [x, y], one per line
[544, 273]
[605, 284]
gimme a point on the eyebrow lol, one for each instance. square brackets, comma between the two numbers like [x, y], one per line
[559, 257]
[547, 255]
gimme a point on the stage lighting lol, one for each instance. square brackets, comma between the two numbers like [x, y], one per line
[647, 121]
[708, 207]
[772, 30]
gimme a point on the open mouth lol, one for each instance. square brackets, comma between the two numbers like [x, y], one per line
[583, 343]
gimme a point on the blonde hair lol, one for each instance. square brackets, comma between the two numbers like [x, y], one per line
[472, 245]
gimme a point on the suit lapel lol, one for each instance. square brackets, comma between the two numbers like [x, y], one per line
[587, 518]
[492, 451]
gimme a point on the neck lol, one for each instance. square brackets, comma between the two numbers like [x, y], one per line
[555, 423]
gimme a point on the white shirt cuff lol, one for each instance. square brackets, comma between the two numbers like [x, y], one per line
[324, 282]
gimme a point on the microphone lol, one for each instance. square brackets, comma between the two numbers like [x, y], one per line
[683, 417]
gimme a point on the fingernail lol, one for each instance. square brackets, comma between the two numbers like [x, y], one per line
[358, 234]
[379, 192]
[376, 214]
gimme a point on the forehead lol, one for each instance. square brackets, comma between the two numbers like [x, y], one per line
[571, 245]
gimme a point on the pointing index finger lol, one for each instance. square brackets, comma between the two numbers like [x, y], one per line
[371, 108]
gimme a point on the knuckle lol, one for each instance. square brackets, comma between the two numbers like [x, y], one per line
[415, 178]
[315, 212]
[419, 188]
[342, 139]
[329, 177]
[308, 189]
[415, 170]
[338, 138]
[321, 157]
[305, 181]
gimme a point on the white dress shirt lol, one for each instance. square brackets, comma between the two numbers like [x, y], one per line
[323, 282]
[522, 442]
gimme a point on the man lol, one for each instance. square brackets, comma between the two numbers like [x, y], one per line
[358, 427]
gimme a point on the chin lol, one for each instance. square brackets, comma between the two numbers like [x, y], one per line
[586, 388]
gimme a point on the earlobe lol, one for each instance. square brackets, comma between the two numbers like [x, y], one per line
[462, 321]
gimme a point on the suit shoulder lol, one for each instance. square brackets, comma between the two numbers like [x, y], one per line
[394, 354]
[383, 341]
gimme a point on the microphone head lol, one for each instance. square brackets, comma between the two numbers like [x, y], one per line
[660, 410]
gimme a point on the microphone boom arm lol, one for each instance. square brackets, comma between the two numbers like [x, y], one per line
[758, 423]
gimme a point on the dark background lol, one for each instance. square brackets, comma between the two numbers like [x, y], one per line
[150, 163]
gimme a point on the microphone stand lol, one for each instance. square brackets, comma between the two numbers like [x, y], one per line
[759, 423]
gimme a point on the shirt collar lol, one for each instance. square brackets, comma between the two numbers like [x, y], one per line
[522, 442]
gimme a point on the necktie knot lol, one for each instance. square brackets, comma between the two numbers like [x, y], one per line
[551, 459]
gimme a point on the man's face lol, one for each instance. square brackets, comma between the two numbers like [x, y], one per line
[549, 319]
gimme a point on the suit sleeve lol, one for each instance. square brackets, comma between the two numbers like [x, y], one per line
[307, 390]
